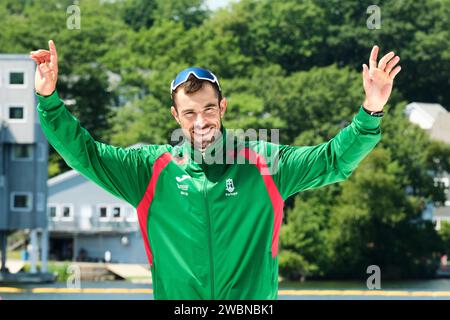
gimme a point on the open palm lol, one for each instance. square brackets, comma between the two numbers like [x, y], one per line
[378, 79]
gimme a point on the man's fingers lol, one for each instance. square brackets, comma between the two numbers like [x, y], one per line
[373, 57]
[40, 52]
[35, 59]
[53, 53]
[45, 68]
[365, 75]
[392, 64]
[38, 69]
[395, 72]
[365, 69]
[365, 72]
[40, 56]
[384, 60]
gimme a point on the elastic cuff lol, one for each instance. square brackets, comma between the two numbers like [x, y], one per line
[48, 102]
[366, 121]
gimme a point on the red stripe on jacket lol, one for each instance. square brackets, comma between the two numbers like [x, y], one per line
[144, 205]
[274, 194]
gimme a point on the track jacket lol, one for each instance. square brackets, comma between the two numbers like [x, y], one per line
[210, 228]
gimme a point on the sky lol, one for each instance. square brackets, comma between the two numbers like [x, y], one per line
[215, 4]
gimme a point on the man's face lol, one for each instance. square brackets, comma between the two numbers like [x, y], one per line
[199, 114]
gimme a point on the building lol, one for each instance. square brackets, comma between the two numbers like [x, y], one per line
[23, 157]
[87, 223]
[434, 119]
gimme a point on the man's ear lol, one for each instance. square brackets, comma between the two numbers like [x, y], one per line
[223, 106]
[174, 112]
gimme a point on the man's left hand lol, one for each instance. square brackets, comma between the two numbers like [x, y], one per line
[378, 79]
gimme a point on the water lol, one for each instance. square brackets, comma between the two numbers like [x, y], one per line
[409, 285]
[309, 290]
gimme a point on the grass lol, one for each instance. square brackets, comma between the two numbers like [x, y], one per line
[55, 267]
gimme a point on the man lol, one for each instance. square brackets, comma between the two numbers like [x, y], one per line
[211, 228]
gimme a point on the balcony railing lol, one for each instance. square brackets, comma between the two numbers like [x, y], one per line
[93, 225]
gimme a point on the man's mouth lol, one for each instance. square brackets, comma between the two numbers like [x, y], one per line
[203, 132]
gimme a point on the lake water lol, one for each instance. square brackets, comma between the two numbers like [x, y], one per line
[309, 290]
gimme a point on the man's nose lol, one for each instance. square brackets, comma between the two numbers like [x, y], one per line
[200, 121]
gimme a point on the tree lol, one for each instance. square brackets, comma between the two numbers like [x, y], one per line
[444, 233]
[304, 239]
[419, 156]
[141, 121]
[375, 222]
[145, 13]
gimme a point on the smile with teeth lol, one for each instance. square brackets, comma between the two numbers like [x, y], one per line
[202, 132]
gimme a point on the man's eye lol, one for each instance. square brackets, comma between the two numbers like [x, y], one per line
[188, 114]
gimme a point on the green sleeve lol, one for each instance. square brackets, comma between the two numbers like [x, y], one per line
[309, 167]
[123, 172]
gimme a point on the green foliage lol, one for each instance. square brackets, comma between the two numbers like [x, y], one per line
[371, 222]
[292, 266]
[376, 222]
[59, 269]
[141, 122]
[419, 166]
[305, 235]
[140, 14]
[444, 232]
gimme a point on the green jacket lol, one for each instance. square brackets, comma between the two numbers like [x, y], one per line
[210, 230]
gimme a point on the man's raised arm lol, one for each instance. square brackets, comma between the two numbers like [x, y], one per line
[123, 172]
[308, 167]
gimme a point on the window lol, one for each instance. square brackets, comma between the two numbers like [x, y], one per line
[21, 201]
[103, 212]
[16, 113]
[52, 213]
[67, 212]
[22, 152]
[116, 212]
[16, 78]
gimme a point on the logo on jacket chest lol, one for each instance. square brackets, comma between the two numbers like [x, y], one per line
[229, 188]
[183, 187]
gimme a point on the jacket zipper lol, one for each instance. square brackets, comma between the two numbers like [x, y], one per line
[211, 262]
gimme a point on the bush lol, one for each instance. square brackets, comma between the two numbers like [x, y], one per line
[292, 266]
[57, 268]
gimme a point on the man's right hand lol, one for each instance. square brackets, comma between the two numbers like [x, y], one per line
[47, 69]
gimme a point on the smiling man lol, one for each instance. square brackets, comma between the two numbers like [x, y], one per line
[198, 106]
[211, 229]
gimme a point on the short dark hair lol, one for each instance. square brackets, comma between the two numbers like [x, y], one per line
[193, 84]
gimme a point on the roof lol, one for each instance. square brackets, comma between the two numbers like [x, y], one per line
[432, 117]
[441, 128]
[14, 56]
[62, 177]
[431, 109]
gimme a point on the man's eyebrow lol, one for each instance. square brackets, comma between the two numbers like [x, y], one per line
[189, 109]
[211, 104]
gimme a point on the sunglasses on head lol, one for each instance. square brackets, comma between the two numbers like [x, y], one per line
[199, 73]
